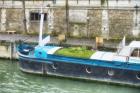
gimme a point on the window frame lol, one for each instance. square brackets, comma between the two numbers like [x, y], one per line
[35, 16]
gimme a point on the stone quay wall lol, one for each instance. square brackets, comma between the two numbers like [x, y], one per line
[84, 20]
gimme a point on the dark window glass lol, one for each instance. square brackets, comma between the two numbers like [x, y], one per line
[136, 53]
[45, 16]
[36, 16]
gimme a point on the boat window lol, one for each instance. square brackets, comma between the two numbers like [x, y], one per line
[88, 70]
[138, 76]
[110, 72]
[136, 53]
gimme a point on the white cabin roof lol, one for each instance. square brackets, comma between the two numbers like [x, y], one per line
[101, 55]
[126, 50]
[135, 44]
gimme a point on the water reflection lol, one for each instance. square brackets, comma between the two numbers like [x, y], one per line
[12, 80]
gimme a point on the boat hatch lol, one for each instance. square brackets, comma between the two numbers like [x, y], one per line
[42, 51]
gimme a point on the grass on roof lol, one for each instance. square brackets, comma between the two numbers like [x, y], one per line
[80, 52]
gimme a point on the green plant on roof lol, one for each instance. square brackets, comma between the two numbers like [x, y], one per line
[81, 52]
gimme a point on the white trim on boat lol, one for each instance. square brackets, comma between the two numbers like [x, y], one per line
[53, 50]
[135, 44]
[101, 55]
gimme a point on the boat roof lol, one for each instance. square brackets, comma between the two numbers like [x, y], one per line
[47, 49]
[135, 44]
[102, 55]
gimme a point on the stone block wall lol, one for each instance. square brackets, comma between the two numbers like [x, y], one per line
[35, 25]
[120, 23]
[14, 19]
[95, 22]
[91, 28]
[78, 30]
[121, 17]
[59, 21]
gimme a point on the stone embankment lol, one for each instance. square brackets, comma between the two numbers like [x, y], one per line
[9, 43]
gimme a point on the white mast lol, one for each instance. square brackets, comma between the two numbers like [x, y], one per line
[41, 27]
[121, 44]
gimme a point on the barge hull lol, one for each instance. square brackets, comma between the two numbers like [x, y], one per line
[81, 71]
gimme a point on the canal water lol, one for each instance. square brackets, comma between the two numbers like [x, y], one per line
[12, 80]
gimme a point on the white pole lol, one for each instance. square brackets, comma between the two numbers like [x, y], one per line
[41, 27]
[123, 42]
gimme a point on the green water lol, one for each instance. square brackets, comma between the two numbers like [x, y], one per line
[14, 81]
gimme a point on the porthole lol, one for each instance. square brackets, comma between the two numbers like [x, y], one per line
[110, 72]
[88, 70]
[138, 76]
[40, 53]
[54, 66]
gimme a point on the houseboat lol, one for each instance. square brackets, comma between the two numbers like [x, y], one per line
[121, 67]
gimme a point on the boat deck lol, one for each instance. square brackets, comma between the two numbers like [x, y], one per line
[100, 55]
[111, 57]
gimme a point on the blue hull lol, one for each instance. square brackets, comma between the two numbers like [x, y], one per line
[80, 71]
